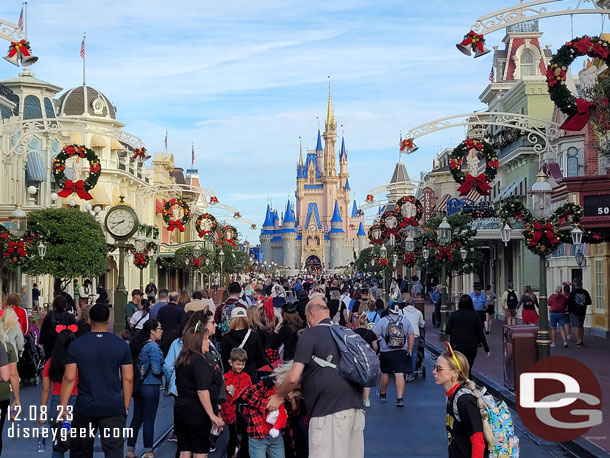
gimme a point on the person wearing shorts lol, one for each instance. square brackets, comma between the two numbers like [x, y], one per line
[394, 360]
[557, 304]
[490, 299]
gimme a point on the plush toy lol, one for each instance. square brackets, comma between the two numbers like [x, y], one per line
[278, 419]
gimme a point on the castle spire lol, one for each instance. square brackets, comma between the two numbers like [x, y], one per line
[331, 124]
[300, 151]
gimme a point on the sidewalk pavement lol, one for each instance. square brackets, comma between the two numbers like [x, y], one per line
[595, 355]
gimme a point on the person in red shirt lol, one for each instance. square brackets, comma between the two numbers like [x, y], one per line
[53, 373]
[236, 381]
[14, 301]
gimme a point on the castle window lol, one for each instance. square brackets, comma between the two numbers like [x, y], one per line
[526, 64]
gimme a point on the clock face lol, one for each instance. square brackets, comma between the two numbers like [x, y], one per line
[120, 222]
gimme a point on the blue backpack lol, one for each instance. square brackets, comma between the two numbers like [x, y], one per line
[358, 363]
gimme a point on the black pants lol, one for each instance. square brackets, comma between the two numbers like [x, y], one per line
[4, 406]
[238, 437]
[111, 431]
[470, 354]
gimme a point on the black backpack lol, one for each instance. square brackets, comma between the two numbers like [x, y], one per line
[512, 300]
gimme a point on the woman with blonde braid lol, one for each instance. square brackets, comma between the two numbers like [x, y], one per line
[467, 432]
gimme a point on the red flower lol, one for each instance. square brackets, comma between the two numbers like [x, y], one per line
[601, 51]
[584, 45]
[493, 164]
[81, 152]
[70, 151]
[95, 167]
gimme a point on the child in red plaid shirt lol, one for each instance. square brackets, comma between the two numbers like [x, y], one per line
[262, 443]
[236, 381]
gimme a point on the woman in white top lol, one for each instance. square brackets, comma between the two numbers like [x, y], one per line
[12, 330]
[140, 316]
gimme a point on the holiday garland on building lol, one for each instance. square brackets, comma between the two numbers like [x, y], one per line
[476, 148]
[80, 187]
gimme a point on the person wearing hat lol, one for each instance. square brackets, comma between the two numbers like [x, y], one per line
[479, 300]
[396, 339]
[287, 332]
[241, 336]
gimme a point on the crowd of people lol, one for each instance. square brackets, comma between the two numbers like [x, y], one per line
[260, 363]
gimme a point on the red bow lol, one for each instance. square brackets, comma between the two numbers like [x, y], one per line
[77, 187]
[383, 262]
[543, 229]
[175, 223]
[409, 221]
[139, 258]
[197, 262]
[477, 182]
[474, 144]
[15, 247]
[579, 120]
[18, 46]
[473, 39]
[444, 252]
[407, 144]
[61, 327]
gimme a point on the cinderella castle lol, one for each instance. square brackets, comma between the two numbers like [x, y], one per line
[321, 231]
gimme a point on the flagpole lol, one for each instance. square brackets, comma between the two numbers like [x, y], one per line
[84, 58]
[192, 161]
[166, 142]
[26, 20]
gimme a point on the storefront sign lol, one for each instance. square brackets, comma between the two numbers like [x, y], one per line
[427, 200]
[597, 205]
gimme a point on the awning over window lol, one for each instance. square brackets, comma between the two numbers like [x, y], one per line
[100, 196]
[442, 205]
[115, 145]
[97, 141]
[35, 169]
[159, 205]
[512, 190]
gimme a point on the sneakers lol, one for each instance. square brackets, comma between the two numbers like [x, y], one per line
[399, 402]
[173, 438]
[570, 339]
[367, 403]
[382, 396]
[409, 377]
[565, 344]
[553, 345]
[580, 344]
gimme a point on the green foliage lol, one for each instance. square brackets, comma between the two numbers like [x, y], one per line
[76, 245]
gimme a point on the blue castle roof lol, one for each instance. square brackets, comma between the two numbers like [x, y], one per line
[337, 214]
[289, 215]
[268, 217]
[343, 152]
[311, 157]
[347, 188]
[355, 210]
[361, 230]
[300, 171]
[319, 145]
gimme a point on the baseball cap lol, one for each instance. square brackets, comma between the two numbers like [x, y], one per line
[239, 312]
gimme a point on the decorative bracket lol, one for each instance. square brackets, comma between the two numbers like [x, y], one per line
[10, 31]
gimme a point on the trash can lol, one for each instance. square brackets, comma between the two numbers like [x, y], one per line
[519, 344]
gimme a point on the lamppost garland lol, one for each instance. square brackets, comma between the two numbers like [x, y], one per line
[475, 148]
[80, 187]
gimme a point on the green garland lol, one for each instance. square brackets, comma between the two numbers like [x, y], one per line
[403, 221]
[457, 155]
[58, 168]
[202, 232]
[569, 212]
[512, 208]
[179, 223]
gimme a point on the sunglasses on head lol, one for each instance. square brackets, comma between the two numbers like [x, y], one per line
[452, 354]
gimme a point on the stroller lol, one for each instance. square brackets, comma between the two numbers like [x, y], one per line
[420, 369]
[31, 362]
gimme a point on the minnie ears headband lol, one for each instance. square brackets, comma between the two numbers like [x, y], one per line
[61, 327]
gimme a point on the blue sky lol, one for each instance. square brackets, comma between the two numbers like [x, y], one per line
[243, 80]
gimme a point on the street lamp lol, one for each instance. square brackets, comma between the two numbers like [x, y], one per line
[383, 254]
[540, 196]
[18, 226]
[444, 238]
[221, 259]
[409, 244]
[207, 265]
[505, 233]
[463, 254]
[425, 253]
[580, 257]
[42, 250]
[576, 234]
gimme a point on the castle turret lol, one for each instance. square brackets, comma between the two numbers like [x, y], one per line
[363, 240]
[337, 237]
[289, 240]
[320, 153]
[267, 235]
[330, 138]
[343, 163]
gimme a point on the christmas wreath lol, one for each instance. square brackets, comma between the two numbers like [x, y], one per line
[176, 223]
[405, 211]
[578, 110]
[227, 234]
[569, 212]
[80, 187]
[475, 148]
[541, 237]
[389, 224]
[376, 234]
[513, 209]
[141, 260]
[205, 224]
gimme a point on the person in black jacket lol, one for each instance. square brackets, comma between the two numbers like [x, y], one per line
[240, 335]
[57, 316]
[287, 334]
[466, 330]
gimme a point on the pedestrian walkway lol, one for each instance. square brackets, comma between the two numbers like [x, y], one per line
[594, 354]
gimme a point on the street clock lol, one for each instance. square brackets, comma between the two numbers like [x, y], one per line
[121, 221]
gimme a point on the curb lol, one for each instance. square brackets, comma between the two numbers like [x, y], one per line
[580, 447]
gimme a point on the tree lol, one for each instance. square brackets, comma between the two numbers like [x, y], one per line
[76, 244]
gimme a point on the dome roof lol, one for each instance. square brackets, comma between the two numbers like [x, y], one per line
[74, 103]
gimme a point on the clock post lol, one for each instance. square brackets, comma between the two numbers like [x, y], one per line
[120, 294]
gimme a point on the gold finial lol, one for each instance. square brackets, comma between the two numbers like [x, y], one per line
[331, 124]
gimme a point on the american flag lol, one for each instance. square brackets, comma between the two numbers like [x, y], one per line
[166, 141]
[82, 48]
[193, 154]
[491, 75]
[20, 22]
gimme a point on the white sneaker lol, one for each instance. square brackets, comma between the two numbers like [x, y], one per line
[552, 345]
[367, 403]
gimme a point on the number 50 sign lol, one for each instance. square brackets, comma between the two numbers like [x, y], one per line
[597, 205]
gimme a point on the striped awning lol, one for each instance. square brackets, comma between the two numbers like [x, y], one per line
[516, 188]
[35, 170]
[159, 205]
[473, 195]
[442, 205]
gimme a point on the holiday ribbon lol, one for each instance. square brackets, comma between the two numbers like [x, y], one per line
[477, 182]
[407, 144]
[410, 259]
[444, 252]
[383, 262]
[474, 144]
[15, 248]
[139, 259]
[140, 152]
[75, 187]
[197, 262]
[17, 47]
[175, 223]
[543, 229]
[409, 221]
[213, 200]
[62, 327]
[579, 120]
[474, 39]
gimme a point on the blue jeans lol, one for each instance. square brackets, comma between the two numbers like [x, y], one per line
[52, 415]
[144, 411]
[269, 447]
[414, 354]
